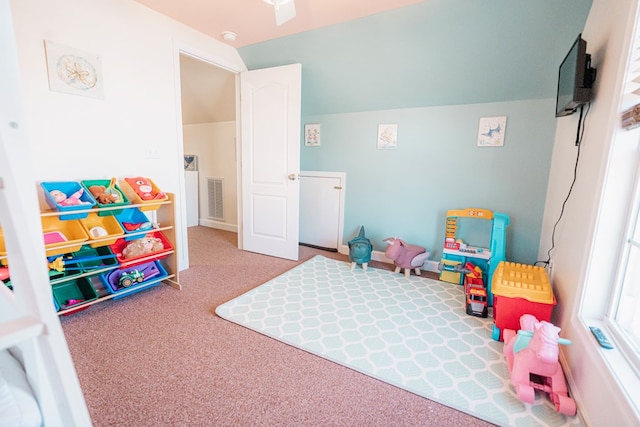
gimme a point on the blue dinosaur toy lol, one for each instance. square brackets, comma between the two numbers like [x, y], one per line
[360, 250]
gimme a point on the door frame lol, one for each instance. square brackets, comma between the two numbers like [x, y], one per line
[181, 205]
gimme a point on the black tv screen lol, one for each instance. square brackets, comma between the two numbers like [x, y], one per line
[575, 79]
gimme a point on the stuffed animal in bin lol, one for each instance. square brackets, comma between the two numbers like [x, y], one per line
[99, 192]
[360, 250]
[143, 246]
[71, 200]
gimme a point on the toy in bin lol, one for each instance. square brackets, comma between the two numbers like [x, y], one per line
[136, 251]
[532, 358]
[131, 277]
[121, 279]
[145, 189]
[68, 196]
[64, 263]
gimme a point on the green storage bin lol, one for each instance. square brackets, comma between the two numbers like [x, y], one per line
[124, 200]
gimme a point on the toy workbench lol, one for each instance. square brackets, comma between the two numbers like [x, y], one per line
[456, 253]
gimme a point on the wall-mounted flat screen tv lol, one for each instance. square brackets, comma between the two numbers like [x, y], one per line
[575, 79]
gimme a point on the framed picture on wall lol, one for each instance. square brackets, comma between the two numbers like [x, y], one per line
[73, 71]
[190, 162]
[491, 131]
[312, 134]
[387, 136]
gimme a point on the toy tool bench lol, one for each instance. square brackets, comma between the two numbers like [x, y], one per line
[456, 254]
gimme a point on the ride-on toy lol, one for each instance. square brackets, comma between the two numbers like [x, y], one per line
[532, 357]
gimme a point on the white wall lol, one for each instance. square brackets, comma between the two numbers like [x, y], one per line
[136, 128]
[606, 32]
[215, 146]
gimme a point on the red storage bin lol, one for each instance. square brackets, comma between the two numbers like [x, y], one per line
[150, 242]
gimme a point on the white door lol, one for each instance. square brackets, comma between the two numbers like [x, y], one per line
[270, 110]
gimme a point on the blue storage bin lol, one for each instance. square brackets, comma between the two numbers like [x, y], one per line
[133, 220]
[153, 271]
[69, 189]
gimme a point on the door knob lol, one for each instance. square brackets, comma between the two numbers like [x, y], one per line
[292, 177]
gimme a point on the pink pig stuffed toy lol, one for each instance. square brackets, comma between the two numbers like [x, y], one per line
[405, 255]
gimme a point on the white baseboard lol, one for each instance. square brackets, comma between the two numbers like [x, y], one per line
[219, 225]
[429, 265]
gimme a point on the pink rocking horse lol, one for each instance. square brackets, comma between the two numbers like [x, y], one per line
[532, 356]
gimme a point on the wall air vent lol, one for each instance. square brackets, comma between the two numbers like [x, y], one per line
[216, 199]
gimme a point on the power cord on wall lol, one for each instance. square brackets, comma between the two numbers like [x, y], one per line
[579, 135]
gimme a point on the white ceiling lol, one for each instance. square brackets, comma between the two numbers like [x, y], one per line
[254, 20]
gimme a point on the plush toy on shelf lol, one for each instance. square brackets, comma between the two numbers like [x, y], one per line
[144, 188]
[71, 200]
[104, 197]
[142, 247]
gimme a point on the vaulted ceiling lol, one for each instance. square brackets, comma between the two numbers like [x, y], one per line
[254, 20]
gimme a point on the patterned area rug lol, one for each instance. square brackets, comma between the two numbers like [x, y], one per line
[410, 332]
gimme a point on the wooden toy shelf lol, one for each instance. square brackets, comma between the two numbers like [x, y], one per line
[164, 216]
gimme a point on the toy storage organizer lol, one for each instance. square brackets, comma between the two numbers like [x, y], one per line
[520, 289]
[456, 253]
[90, 262]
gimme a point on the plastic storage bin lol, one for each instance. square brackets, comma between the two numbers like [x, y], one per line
[143, 191]
[119, 246]
[133, 220]
[102, 227]
[55, 275]
[123, 199]
[520, 289]
[74, 293]
[152, 275]
[62, 236]
[69, 188]
[89, 259]
[3, 249]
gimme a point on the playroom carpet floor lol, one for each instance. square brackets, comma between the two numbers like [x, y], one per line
[409, 332]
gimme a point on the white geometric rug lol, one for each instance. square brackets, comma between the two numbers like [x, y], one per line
[410, 332]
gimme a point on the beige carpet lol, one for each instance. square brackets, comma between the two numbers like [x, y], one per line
[163, 358]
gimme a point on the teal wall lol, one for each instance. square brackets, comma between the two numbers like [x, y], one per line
[435, 68]
[438, 166]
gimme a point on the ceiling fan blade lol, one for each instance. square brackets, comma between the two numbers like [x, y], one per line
[284, 11]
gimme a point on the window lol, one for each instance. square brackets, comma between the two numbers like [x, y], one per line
[625, 313]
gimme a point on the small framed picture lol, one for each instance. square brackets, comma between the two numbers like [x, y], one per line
[387, 136]
[491, 131]
[190, 162]
[312, 135]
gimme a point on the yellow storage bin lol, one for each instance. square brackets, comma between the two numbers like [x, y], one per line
[62, 237]
[101, 227]
[3, 250]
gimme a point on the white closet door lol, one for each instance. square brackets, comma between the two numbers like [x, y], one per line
[321, 199]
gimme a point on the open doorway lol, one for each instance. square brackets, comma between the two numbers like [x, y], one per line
[208, 99]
